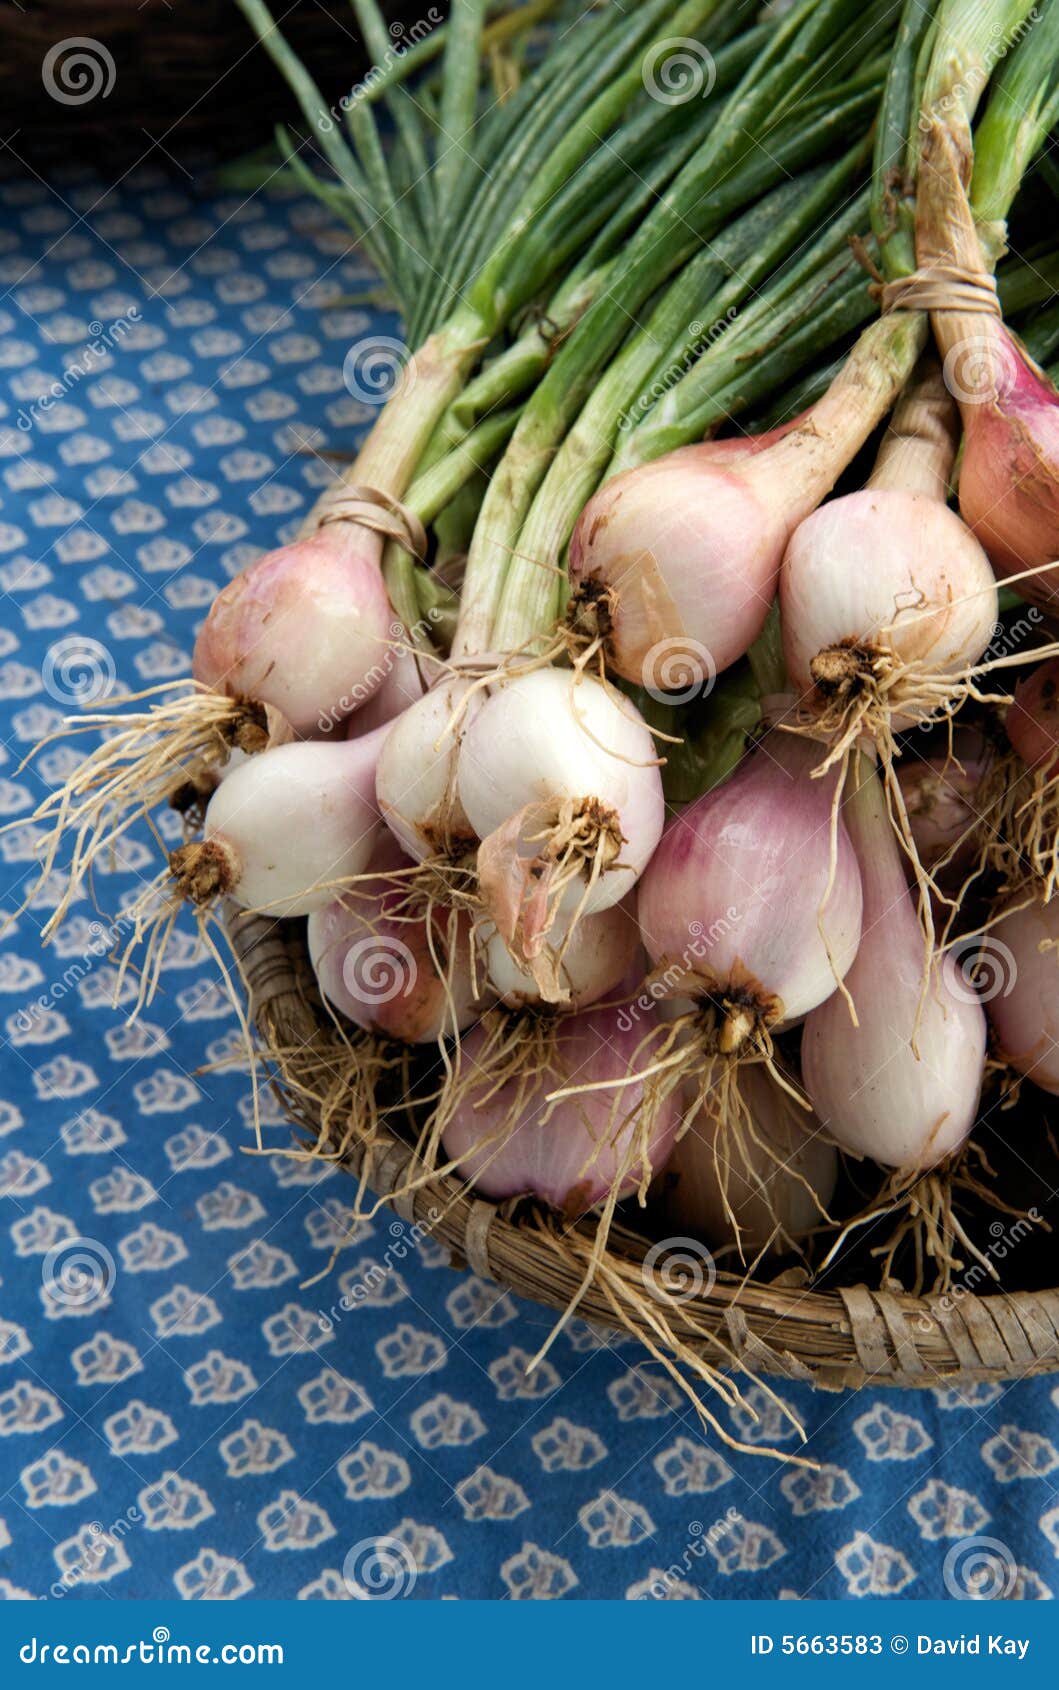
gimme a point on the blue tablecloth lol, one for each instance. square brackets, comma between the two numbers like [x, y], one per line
[208, 1422]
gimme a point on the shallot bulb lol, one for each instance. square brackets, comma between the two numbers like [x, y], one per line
[1021, 954]
[285, 826]
[574, 1153]
[675, 564]
[742, 908]
[390, 967]
[902, 1085]
[306, 629]
[772, 1197]
[588, 960]
[1032, 721]
[940, 795]
[887, 600]
[416, 783]
[402, 686]
[559, 778]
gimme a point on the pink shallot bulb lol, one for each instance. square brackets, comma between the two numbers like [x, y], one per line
[1020, 955]
[390, 967]
[509, 1141]
[306, 629]
[1032, 721]
[741, 907]
[675, 563]
[902, 1085]
[583, 963]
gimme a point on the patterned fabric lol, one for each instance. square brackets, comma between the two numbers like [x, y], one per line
[190, 1402]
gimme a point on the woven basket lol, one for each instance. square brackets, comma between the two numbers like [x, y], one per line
[834, 1340]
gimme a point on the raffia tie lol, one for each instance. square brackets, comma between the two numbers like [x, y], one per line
[379, 511]
[941, 287]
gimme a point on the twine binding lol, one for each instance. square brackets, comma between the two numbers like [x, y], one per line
[832, 1339]
[372, 508]
[940, 287]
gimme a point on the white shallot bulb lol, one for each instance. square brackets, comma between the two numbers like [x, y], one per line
[285, 826]
[586, 962]
[902, 1086]
[559, 778]
[509, 1141]
[416, 782]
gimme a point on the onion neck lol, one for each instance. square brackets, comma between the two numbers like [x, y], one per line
[800, 469]
[867, 820]
[919, 448]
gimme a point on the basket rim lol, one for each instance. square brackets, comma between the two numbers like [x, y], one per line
[848, 1337]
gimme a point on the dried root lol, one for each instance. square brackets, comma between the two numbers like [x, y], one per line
[1018, 830]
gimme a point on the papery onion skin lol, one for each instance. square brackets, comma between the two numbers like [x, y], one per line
[307, 629]
[1032, 721]
[416, 782]
[377, 967]
[786, 1211]
[546, 1158]
[548, 736]
[595, 959]
[886, 570]
[295, 819]
[734, 898]
[1023, 991]
[871, 1092]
